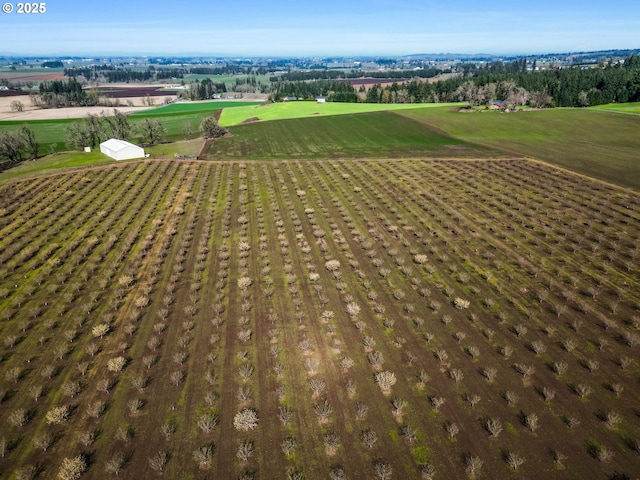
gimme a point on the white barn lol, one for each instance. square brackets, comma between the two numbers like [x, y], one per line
[121, 150]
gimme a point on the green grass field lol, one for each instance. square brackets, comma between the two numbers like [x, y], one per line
[288, 110]
[368, 135]
[55, 162]
[633, 107]
[601, 144]
[182, 108]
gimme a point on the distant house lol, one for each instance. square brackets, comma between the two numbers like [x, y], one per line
[121, 150]
[321, 99]
[498, 105]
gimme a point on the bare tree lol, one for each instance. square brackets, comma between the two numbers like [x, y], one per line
[493, 426]
[452, 430]
[159, 460]
[323, 410]
[245, 420]
[43, 441]
[383, 470]
[245, 450]
[72, 468]
[207, 422]
[203, 456]
[531, 422]
[514, 460]
[385, 380]
[288, 445]
[473, 465]
[437, 402]
[331, 443]
[369, 438]
[115, 464]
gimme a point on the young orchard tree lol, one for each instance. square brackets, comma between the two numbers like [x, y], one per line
[385, 380]
[115, 464]
[245, 450]
[72, 468]
[369, 438]
[245, 420]
[159, 461]
[203, 456]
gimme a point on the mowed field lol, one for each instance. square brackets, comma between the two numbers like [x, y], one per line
[181, 108]
[365, 135]
[305, 109]
[405, 319]
[632, 107]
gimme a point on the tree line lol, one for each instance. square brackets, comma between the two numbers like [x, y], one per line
[205, 89]
[325, 74]
[113, 74]
[514, 84]
[334, 91]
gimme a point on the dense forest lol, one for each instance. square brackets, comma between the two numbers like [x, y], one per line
[58, 93]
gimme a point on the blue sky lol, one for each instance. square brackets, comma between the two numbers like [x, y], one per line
[328, 27]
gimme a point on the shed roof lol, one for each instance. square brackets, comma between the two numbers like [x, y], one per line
[116, 145]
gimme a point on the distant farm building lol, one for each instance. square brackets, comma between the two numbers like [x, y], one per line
[121, 150]
[321, 99]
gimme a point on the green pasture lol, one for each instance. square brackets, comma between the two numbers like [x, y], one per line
[633, 107]
[301, 109]
[596, 143]
[56, 162]
[182, 108]
[51, 134]
[367, 135]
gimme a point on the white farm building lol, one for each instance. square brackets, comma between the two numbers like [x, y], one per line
[121, 150]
